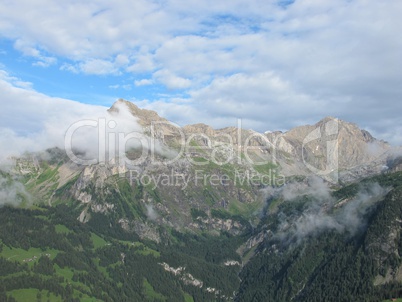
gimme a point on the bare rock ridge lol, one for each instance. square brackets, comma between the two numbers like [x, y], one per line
[353, 145]
[333, 140]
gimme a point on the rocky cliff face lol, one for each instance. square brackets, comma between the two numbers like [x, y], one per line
[344, 141]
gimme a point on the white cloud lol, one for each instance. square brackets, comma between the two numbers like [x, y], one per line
[263, 101]
[69, 67]
[322, 212]
[143, 82]
[170, 80]
[45, 62]
[28, 49]
[122, 60]
[117, 86]
[181, 113]
[31, 121]
[4, 76]
[275, 67]
[12, 192]
[143, 63]
[151, 213]
[98, 67]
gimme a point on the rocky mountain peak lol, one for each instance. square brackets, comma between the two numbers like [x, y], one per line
[345, 142]
[347, 128]
[145, 117]
[330, 140]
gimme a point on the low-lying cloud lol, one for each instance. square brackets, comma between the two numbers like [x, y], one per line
[151, 213]
[12, 192]
[323, 212]
[34, 122]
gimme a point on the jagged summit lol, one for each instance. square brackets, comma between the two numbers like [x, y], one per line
[145, 117]
[348, 145]
[330, 139]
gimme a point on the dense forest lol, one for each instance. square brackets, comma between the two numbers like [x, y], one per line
[48, 251]
[332, 265]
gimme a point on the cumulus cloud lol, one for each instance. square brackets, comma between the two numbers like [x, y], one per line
[89, 134]
[143, 82]
[98, 67]
[274, 65]
[171, 80]
[27, 49]
[33, 122]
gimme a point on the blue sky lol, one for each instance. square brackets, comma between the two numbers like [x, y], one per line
[275, 64]
[85, 88]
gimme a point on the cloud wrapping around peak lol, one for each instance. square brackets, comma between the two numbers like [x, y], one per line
[33, 122]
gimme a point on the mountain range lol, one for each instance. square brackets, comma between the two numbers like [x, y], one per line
[137, 208]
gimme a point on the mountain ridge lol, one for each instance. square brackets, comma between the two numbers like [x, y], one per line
[355, 146]
[282, 211]
[218, 172]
